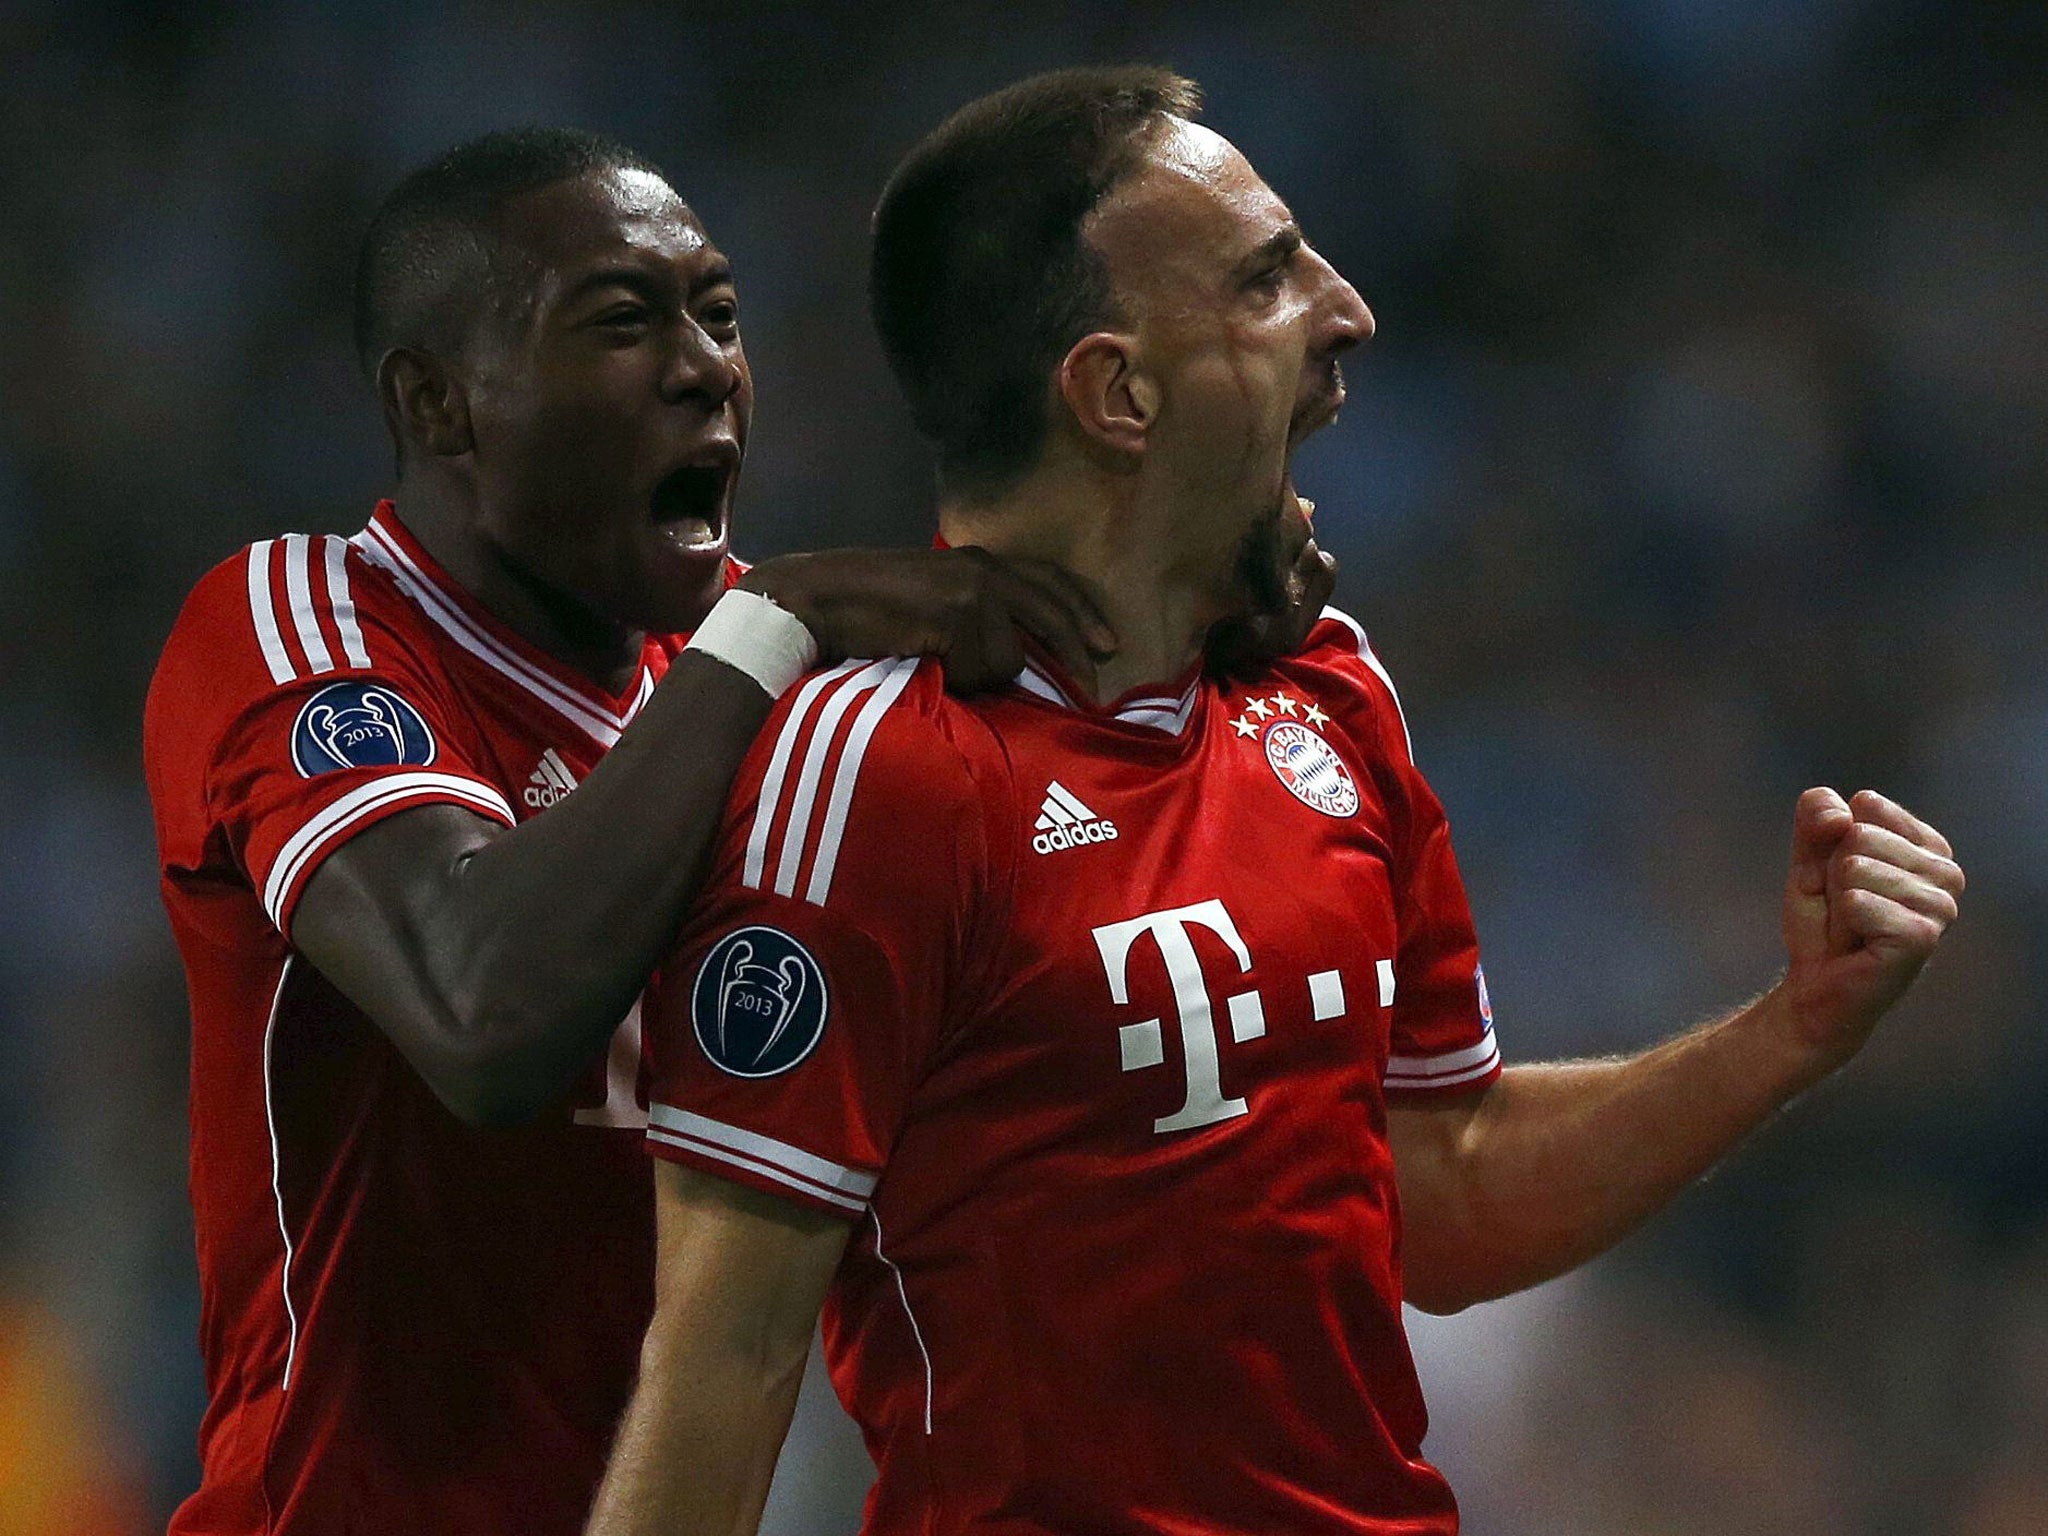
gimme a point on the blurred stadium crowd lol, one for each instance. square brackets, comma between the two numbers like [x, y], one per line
[1702, 454]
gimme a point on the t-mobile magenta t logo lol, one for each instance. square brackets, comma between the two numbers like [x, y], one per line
[1143, 1044]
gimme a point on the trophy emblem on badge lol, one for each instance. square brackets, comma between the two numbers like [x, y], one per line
[368, 730]
[354, 724]
[758, 995]
[758, 1005]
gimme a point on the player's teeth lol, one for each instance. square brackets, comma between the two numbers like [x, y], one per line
[691, 531]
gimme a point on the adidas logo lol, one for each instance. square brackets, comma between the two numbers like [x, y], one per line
[1064, 822]
[549, 782]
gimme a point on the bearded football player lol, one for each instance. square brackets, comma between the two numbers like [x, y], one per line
[1110, 1061]
[431, 801]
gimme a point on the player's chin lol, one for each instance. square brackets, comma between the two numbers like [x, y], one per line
[681, 576]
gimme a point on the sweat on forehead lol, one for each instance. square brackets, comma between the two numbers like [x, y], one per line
[1191, 190]
[547, 239]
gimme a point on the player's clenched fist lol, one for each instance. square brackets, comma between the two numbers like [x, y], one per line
[1871, 891]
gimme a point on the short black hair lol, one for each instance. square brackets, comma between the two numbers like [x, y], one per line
[425, 271]
[980, 280]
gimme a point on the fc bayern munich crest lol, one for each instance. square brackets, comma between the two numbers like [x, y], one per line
[1310, 768]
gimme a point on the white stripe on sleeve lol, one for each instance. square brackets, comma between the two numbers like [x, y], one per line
[264, 614]
[343, 604]
[819, 1177]
[327, 824]
[298, 587]
[805, 801]
[891, 688]
[755, 1165]
[1444, 1070]
[778, 771]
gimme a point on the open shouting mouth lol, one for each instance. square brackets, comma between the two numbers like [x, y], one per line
[691, 502]
[1319, 408]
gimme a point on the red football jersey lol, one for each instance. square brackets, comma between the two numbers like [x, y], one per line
[407, 1325]
[1087, 1018]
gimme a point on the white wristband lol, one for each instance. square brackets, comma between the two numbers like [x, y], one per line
[759, 637]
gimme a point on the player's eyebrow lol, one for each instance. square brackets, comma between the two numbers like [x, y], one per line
[645, 284]
[713, 276]
[634, 278]
[1282, 243]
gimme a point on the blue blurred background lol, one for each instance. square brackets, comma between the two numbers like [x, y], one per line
[1701, 455]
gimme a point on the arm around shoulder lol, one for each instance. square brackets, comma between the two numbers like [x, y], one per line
[499, 960]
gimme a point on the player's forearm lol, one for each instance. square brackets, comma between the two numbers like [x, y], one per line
[551, 929]
[500, 963]
[739, 1279]
[697, 1448]
[1557, 1162]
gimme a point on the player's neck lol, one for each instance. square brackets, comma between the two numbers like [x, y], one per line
[606, 652]
[1114, 543]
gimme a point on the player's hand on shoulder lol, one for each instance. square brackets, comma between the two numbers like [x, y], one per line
[1247, 643]
[965, 606]
[1871, 891]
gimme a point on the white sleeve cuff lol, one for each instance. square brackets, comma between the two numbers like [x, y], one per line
[328, 826]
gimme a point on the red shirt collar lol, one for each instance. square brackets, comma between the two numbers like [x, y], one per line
[387, 542]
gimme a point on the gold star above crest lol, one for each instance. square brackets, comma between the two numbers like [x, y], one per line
[1284, 703]
[1316, 716]
[1244, 727]
[1259, 707]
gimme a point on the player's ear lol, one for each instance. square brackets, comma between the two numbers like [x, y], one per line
[424, 402]
[1113, 399]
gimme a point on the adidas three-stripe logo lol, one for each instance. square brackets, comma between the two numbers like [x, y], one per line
[1064, 822]
[807, 793]
[549, 781]
[317, 607]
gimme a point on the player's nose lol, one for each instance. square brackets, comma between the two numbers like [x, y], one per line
[698, 367]
[1345, 319]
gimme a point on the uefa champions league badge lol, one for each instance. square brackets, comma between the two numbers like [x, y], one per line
[358, 725]
[1485, 1002]
[759, 1003]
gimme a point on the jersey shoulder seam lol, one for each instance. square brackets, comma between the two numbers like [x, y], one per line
[310, 605]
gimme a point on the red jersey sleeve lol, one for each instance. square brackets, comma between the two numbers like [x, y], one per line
[820, 969]
[1442, 1036]
[292, 710]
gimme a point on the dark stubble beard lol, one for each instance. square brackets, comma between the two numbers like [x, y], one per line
[1263, 563]
[1266, 555]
